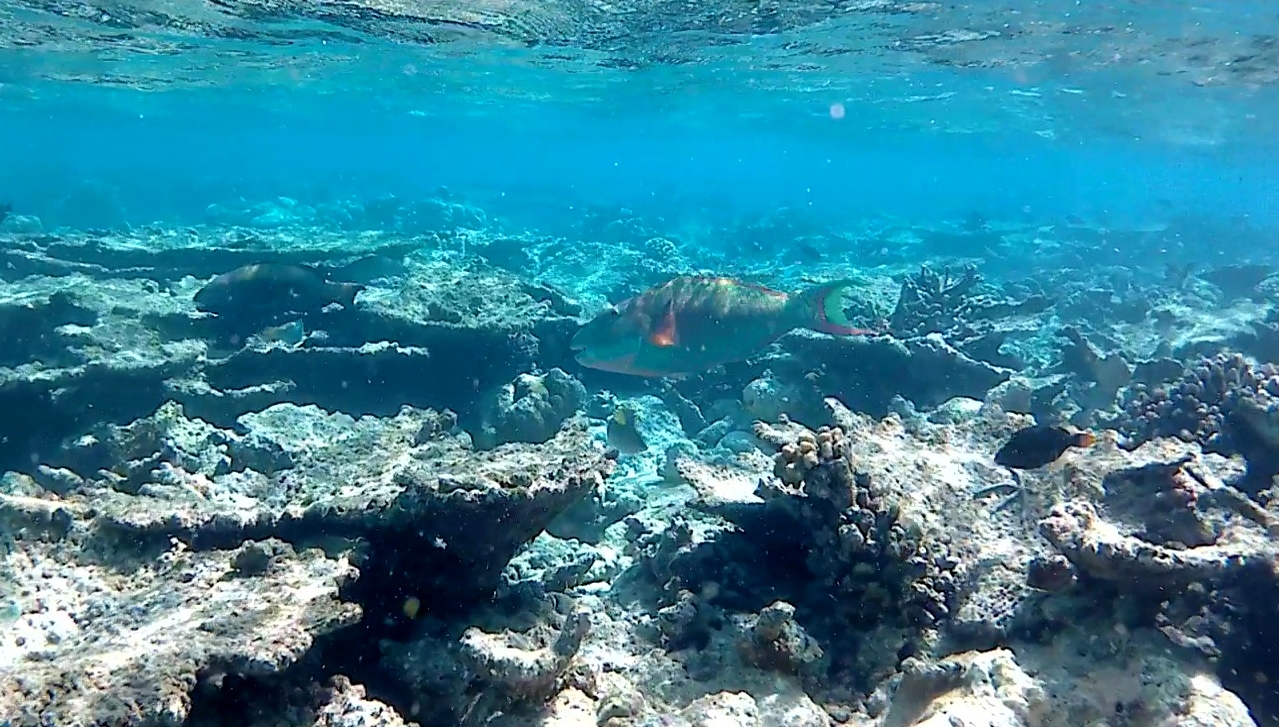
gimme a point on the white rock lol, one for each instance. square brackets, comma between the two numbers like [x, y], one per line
[725, 709]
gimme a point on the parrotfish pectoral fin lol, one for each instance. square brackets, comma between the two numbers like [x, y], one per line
[823, 309]
[664, 333]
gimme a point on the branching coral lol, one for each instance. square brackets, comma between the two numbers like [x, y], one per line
[932, 302]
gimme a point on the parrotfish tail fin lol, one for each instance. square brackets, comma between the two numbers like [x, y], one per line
[822, 309]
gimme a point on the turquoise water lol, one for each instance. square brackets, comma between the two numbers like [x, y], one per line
[533, 136]
[238, 236]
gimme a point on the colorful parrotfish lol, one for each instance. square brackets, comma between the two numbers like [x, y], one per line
[693, 323]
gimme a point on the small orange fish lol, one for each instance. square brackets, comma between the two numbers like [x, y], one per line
[693, 323]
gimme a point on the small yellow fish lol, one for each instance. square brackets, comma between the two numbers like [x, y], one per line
[623, 435]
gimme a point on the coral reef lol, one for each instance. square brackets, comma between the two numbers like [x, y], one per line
[421, 512]
[973, 322]
[1176, 528]
[407, 512]
[441, 211]
[92, 348]
[532, 408]
[106, 640]
[1224, 403]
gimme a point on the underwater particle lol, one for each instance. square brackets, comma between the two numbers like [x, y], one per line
[691, 324]
[622, 432]
[1039, 445]
[253, 291]
[411, 607]
[837, 111]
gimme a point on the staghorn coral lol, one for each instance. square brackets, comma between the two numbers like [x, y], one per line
[937, 303]
[932, 302]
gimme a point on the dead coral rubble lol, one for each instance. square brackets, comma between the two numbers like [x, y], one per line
[531, 408]
[104, 331]
[867, 373]
[120, 643]
[407, 499]
[1198, 552]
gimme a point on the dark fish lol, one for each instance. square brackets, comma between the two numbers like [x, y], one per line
[692, 324]
[6, 209]
[808, 251]
[1036, 446]
[372, 267]
[267, 291]
[1238, 281]
[623, 435]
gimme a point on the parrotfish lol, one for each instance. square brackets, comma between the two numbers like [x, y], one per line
[272, 290]
[693, 323]
[1039, 445]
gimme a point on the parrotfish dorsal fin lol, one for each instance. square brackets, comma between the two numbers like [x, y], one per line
[664, 333]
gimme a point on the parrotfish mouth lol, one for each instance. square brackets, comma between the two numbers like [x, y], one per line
[615, 364]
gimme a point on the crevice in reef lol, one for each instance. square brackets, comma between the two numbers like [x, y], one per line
[1248, 614]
